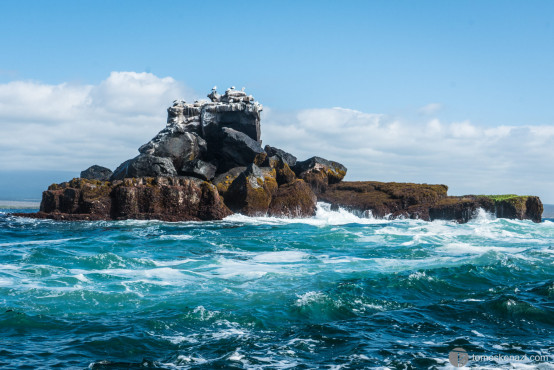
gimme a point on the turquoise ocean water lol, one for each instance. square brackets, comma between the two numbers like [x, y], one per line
[333, 291]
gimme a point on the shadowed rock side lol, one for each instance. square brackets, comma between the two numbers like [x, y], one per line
[208, 162]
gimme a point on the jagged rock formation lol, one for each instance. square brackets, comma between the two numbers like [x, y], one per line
[208, 162]
[96, 173]
[211, 158]
[201, 139]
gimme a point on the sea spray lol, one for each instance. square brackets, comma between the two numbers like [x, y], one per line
[332, 290]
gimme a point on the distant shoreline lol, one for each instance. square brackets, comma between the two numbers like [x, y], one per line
[19, 204]
[548, 211]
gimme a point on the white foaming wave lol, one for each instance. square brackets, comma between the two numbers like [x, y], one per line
[483, 216]
[171, 263]
[6, 282]
[241, 270]
[258, 265]
[485, 227]
[309, 298]
[9, 266]
[324, 216]
[81, 277]
[204, 314]
[157, 276]
[280, 257]
[340, 259]
[236, 356]
[35, 242]
[176, 237]
[461, 248]
[388, 265]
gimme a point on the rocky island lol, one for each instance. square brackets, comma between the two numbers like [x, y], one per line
[208, 163]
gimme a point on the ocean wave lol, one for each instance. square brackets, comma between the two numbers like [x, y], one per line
[324, 216]
[36, 242]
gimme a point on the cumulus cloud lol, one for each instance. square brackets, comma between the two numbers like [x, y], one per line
[71, 126]
[467, 157]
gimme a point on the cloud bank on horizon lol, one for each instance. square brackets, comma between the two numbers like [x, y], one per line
[72, 126]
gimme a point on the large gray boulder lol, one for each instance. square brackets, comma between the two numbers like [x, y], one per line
[204, 138]
[96, 173]
[237, 149]
[177, 143]
[144, 165]
[200, 169]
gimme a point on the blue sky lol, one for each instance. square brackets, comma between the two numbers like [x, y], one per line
[489, 61]
[486, 64]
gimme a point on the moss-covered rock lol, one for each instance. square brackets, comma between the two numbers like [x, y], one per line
[517, 207]
[295, 199]
[284, 174]
[250, 193]
[224, 180]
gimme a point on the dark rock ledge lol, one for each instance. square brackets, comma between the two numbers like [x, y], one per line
[208, 163]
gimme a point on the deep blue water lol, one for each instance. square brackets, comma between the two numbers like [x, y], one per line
[334, 291]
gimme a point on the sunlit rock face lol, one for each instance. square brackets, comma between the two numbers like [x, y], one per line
[205, 138]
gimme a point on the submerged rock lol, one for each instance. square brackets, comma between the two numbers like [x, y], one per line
[96, 173]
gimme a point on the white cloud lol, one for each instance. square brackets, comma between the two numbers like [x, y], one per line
[430, 108]
[71, 126]
[467, 157]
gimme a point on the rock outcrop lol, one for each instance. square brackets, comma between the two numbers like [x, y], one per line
[205, 164]
[426, 202]
[319, 173]
[144, 198]
[252, 191]
[145, 165]
[208, 162]
[97, 173]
